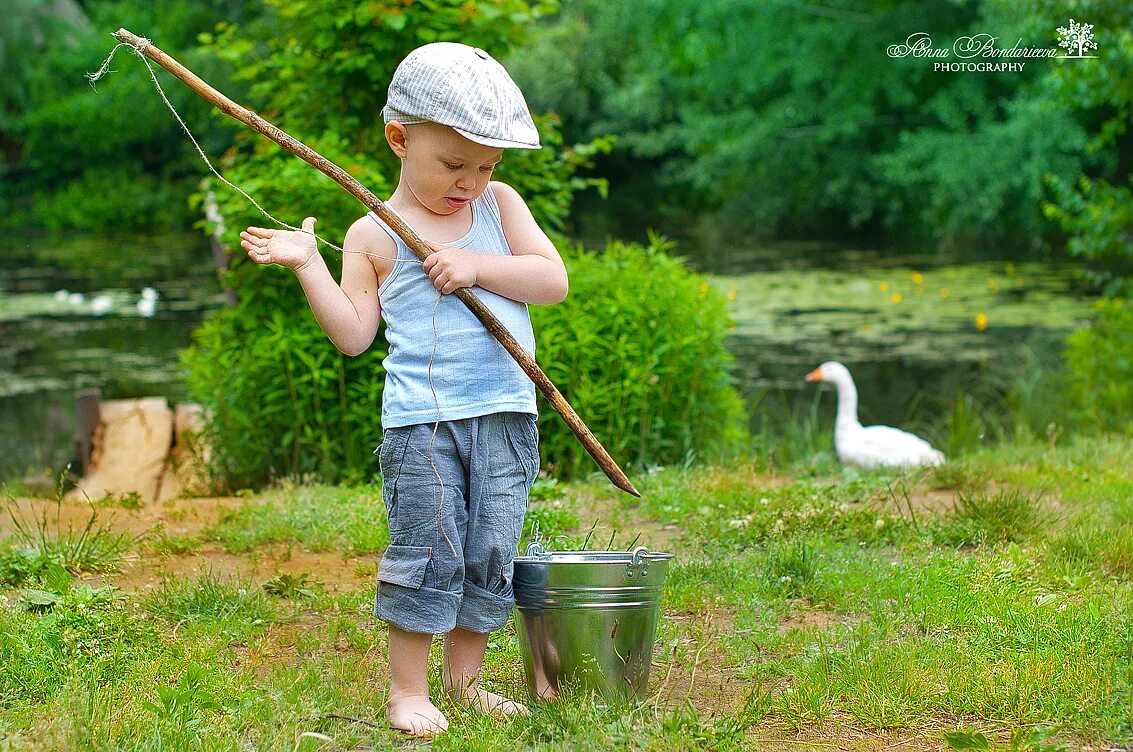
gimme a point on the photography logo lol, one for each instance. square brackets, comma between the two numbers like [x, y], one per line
[1077, 36]
[985, 53]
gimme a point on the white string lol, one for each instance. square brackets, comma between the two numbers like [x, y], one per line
[436, 425]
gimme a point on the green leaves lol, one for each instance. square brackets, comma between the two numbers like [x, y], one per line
[1099, 220]
[1099, 359]
[728, 115]
[638, 350]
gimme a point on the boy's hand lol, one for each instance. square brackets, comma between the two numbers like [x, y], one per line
[451, 268]
[284, 247]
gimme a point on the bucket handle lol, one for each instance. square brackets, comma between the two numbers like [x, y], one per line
[637, 563]
[535, 549]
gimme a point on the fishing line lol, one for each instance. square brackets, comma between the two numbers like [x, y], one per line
[139, 50]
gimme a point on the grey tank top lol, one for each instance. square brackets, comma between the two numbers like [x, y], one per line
[472, 374]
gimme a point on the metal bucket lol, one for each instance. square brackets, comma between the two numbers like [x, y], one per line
[587, 619]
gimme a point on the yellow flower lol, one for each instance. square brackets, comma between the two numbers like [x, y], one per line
[981, 321]
[884, 286]
[703, 287]
[896, 297]
[1009, 268]
[992, 284]
[917, 278]
[732, 293]
[945, 292]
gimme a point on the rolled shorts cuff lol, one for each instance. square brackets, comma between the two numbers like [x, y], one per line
[422, 610]
[483, 611]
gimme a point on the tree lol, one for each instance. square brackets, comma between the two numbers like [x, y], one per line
[112, 157]
[786, 118]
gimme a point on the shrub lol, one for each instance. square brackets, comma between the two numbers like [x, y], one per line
[1099, 359]
[638, 350]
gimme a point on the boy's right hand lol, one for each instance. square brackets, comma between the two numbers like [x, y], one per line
[289, 248]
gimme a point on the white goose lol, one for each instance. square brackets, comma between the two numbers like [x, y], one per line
[869, 446]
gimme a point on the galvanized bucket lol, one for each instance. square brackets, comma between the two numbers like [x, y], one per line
[587, 619]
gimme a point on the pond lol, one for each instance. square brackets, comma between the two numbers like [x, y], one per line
[53, 343]
[915, 332]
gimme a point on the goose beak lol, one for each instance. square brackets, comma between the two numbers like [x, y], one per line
[815, 375]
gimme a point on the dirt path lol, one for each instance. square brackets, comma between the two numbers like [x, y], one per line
[182, 519]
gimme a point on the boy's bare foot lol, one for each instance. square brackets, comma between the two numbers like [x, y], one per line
[489, 702]
[416, 716]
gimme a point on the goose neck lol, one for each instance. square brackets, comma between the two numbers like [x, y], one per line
[847, 403]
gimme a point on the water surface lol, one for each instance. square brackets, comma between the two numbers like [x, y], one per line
[50, 348]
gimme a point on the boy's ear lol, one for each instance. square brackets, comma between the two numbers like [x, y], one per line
[397, 136]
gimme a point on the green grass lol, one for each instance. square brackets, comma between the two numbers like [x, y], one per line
[1009, 515]
[41, 540]
[809, 604]
[319, 518]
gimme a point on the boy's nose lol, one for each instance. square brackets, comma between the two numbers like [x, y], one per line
[466, 182]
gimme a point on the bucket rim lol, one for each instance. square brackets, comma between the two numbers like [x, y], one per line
[538, 556]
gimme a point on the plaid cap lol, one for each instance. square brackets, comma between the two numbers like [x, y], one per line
[464, 88]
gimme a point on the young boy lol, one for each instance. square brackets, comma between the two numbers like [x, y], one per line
[460, 447]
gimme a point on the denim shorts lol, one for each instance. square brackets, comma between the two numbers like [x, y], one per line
[455, 503]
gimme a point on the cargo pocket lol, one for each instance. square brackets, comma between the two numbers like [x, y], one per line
[405, 566]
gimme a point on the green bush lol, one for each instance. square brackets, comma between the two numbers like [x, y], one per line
[1099, 359]
[638, 349]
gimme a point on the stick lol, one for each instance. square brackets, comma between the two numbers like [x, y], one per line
[405, 232]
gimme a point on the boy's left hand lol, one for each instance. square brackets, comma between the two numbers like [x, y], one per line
[451, 268]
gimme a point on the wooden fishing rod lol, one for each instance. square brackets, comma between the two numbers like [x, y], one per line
[404, 231]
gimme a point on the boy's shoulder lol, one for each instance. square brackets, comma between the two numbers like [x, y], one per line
[368, 236]
[503, 191]
[369, 233]
[507, 198]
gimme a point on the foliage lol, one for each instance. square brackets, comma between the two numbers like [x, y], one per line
[80, 631]
[638, 349]
[1098, 217]
[1099, 362]
[749, 130]
[238, 609]
[292, 586]
[346, 519]
[1097, 213]
[283, 401]
[1005, 516]
[181, 711]
[1022, 740]
[790, 567]
[110, 157]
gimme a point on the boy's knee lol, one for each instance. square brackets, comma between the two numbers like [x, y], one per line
[410, 592]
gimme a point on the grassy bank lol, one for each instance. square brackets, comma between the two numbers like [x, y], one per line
[986, 599]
